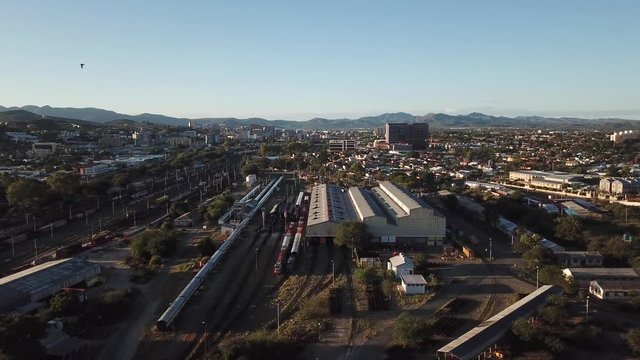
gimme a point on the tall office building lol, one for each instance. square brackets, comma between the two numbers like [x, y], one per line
[416, 134]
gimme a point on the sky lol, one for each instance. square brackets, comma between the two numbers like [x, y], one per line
[301, 59]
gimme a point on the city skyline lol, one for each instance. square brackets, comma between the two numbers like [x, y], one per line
[297, 61]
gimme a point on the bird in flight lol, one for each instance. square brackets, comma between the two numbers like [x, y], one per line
[81, 66]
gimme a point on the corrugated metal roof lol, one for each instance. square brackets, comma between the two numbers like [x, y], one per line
[363, 203]
[404, 200]
[44, 275]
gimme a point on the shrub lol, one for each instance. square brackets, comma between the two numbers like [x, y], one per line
[262, 344]
[411, 332]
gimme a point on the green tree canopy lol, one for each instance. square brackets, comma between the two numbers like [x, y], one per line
[65, 303]
[27, 193]
[525, 330]
[19, 336]
[633, 340]
[352, 234]
[411, 331]
[568, 228]
[526, 242]
[64, 183]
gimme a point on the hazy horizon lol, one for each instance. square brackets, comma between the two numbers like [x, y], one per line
[298, 60]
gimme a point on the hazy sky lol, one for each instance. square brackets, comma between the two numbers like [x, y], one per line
[298, 59]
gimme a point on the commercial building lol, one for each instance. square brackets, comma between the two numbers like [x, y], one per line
[28, 287]
[96, 170]
[548, 177]
[392, 215]
[415, 134]
[619, 186]
[622, 136]
[342, 145]
[42, 149]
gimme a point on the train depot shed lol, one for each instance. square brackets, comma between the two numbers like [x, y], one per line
[392, 215]
[484, 336]
[23, 290]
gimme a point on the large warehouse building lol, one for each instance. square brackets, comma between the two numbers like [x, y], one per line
[392, 214]
[24, 289]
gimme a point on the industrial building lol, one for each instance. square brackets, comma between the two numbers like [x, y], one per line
[24, 289]
[392, 215]
[414, 134]
[545, 177]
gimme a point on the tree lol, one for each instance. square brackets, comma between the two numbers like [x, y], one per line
[26, 193]
[120, 180]
[554, 315]
[526, 242]
[568, 228]
[366, 276]
[525, 330]
[206, 247]
[552, 275]
[19, 336]
[420, 262]
[352, 234]
[249, 168]
[537, 256]
[64, 183]
[633, 340]
[411, 331]
[65, 303]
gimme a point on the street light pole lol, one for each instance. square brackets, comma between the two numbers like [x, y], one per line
[35, 245]
[333, 273]
[490, 249]
[537, 274]
[278, 314]
[587, 313]
[205, 339]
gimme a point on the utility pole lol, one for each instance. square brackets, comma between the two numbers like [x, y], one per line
[490, 249]
[537, 275]
[587, 313]
[257, 259]
[35, 245]
[333, 273]
[205, 339]
[278, 314]
[100, 222]
[13, 247]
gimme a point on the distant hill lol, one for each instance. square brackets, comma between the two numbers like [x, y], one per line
[439, 120]
[24, 117]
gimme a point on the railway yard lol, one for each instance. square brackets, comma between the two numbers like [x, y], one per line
[254, 282]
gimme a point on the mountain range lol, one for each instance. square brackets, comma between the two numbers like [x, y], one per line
[438, 120]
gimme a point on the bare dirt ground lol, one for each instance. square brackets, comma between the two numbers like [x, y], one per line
[153, 295]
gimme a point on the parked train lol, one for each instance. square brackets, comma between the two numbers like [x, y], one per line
[278, 268]
[297, 240]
